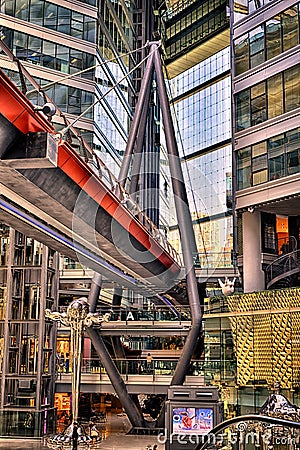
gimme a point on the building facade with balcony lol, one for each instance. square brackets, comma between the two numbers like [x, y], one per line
[265, 83]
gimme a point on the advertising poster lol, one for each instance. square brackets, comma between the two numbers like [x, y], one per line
[192, 420]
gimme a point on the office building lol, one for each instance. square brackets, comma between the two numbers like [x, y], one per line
[266, 136]
[265, 85]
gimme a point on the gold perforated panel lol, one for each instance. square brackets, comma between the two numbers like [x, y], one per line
[266, 332]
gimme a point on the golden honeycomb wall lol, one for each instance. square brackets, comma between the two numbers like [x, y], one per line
[266, 332]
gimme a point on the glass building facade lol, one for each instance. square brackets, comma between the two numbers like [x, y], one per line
[202, 106]
[265, 42]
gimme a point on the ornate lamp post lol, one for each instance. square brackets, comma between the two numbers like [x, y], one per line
[78, 318]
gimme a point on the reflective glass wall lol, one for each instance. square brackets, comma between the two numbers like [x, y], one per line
[202, 107]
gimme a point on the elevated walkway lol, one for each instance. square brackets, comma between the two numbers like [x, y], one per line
[135, 384]
[51, 193]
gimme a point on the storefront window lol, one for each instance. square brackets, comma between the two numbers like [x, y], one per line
[269, 232]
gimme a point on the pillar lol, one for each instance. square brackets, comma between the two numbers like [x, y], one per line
[253, 275]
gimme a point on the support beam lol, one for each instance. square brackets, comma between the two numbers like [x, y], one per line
[134, 415]
[136, 122]
[185, 224]
[137, 158]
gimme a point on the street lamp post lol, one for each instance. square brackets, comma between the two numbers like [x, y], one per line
[78, 318]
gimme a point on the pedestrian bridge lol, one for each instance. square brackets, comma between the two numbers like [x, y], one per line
[53, 194]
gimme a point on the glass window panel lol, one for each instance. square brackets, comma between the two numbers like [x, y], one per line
[259, 149]
[50, 15]
[258, 104]
[62, 58]
[293, 162]
[36, 12]
[260, 177]
[77, 25]
[34, 49]
[292, 140]
[257, 46]
[242, 110]
[22, 9]
[292, 88]
[273, 37]
[241, 50]
[61, 95]
[275, 96]
[259, 163]
[64, 23]
[20, 45]
[244, 168]
[290, 28]
[49, 55]
[73, 101]
[276, 145]
[276, 167]
[9, 7]
[89, 30]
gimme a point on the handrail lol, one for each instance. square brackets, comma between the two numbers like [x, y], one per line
[282, 267]
[206, 440]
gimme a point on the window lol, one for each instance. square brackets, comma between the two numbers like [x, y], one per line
[293, 151]
[257, 46]
[242, 110]
[241, 50]
[273, 37]
[258, 104]
[292, 88]
[259, 168]
[36, 12]
[50, 15]
[244, 168]
[276, 157]
[269, 160]
[275, 96]
[290, 28]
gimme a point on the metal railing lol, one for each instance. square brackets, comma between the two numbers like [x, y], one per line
[283, 267]
[214, 370]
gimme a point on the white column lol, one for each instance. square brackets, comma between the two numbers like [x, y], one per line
[253, 275]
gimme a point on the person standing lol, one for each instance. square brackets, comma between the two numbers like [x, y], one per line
[67, 363]
[149, 362]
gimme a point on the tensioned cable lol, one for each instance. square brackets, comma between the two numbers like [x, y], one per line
[187, 170]
[67, 77]
[64, 130]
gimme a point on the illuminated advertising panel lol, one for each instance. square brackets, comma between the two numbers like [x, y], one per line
[194, 420]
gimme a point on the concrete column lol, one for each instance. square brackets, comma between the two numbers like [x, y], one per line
[253, 275]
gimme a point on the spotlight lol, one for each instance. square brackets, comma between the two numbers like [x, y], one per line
[49, 109]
